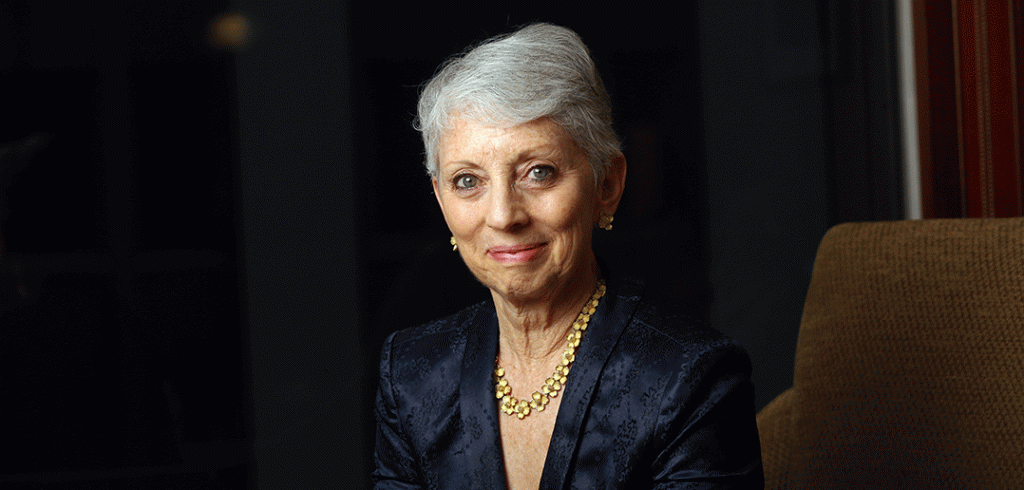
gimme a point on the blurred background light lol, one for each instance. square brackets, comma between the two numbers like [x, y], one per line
[231, 31]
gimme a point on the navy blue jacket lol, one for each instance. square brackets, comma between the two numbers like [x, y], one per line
[652, 401]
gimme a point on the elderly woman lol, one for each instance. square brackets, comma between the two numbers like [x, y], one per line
[569, 378]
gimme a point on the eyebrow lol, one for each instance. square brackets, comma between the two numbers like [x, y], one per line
[544, 150]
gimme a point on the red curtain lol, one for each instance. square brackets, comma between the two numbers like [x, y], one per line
[970, 89]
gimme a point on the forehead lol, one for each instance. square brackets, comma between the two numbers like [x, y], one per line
[468, 140]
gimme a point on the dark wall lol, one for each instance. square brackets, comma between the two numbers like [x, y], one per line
[303, 271]
[801, 124]
[120, 320]
[768, 178]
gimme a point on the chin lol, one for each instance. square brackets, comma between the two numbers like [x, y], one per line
[514, 286]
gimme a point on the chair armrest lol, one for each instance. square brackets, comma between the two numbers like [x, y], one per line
[774, 428]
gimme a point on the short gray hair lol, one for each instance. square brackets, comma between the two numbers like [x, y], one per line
[541, 70]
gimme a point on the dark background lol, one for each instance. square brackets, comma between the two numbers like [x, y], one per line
[204, 248]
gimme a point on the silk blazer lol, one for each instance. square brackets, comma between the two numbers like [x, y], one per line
[652, 401]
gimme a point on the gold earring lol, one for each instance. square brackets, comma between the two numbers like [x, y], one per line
[455, 246]
[605, 223]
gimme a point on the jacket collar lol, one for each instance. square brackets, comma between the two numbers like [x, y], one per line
[480, 408]
[606, 326]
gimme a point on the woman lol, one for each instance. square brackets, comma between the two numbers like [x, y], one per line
[569, 378]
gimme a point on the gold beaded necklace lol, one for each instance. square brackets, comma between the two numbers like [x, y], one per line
[521, 408]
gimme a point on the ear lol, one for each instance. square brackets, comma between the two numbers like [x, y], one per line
[609, 192]
[437, 195]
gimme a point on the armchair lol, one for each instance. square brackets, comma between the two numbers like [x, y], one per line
[909, 369]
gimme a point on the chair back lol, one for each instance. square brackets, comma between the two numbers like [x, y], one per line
[909, 368]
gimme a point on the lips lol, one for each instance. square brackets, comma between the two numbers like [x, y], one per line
[514, 254]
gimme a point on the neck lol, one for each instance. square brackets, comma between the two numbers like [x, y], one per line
[532, 332]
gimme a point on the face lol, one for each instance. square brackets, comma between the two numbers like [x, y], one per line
[522, 204]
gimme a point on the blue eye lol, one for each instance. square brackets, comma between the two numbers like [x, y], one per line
[541, 173]
[465, 181]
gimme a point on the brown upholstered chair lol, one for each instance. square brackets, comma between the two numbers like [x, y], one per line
[910, 361]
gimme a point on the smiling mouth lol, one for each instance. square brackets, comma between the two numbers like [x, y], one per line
[515, 254]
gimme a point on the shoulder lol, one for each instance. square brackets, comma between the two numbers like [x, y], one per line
[676, 340]
[680, 329]
[692, 368]
[674, 390]
[420, 351]
[437, 334]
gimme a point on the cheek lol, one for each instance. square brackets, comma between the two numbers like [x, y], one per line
[575, 222]
[460, 216]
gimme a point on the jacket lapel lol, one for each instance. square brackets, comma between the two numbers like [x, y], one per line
[612, 315]
[479, 411]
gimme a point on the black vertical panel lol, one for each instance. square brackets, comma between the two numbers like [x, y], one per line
[302, 282]
[863, 111]
[119, 305]
[762, 68]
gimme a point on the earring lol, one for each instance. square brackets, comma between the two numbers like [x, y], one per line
[605, 223]
[455, 246]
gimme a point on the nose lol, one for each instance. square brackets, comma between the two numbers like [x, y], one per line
[506, 208]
